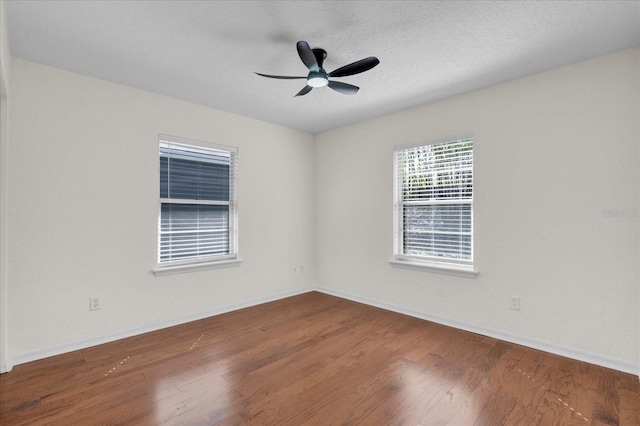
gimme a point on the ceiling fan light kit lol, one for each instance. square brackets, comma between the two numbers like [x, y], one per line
[317, 79]
[313, 59]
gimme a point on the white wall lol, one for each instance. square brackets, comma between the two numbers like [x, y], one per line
[83, 209]
[551, 152]
[5, 63]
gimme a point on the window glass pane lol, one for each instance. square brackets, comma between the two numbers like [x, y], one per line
[193, 230]
[443, 171]
[438, 230]
[190, 175]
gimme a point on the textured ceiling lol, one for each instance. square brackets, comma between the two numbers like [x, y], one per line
[207, 51]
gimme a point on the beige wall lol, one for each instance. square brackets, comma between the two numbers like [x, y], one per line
[551, 152]
[83, 208]
[5, 63]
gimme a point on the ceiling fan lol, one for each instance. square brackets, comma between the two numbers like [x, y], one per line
[318, 77]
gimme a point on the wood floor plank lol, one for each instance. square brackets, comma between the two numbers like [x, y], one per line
[629, 400]
[397, 383]
[315, 359]
[479, 397]
[606, 409]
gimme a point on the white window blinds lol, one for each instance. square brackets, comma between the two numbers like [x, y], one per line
[198, 220]
[434, 202]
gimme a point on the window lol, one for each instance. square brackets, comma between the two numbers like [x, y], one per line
[433, 215]
[198, 215]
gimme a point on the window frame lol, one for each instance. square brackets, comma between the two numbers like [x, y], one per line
[446, 265]
[208, 261]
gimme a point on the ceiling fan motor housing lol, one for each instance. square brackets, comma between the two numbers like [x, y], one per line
[320, 55]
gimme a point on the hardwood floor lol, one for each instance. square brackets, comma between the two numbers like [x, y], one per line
[315, 359]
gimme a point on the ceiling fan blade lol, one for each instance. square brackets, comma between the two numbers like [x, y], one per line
[304, 91]
[344, 88]
[307, 56]
[355, 68]
[283, 77]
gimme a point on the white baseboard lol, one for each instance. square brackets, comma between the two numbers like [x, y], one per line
[70, 347]
[591, 358]
[531, 343]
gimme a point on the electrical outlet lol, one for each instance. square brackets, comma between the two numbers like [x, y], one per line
[94, 304]
[515, 303]
[301, 269]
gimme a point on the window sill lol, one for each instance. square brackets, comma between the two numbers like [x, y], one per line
[192, 267]
[449, 269]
